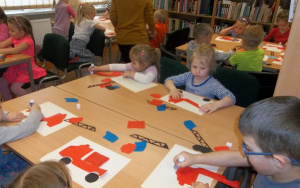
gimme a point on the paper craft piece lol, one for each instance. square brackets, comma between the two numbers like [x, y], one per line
[189, 101]
[156, 102]
[150, 141]
[136, 124]
[156, 95]
[105, 85]
[114, 165]
[189, 124]
[75, 120]
[272, 47]
[140, 146]
[49, 109]
[110, 137]
[128, 148]
[265, 58]
[116, 87]
[82, 125]
[111, 74]
[106, 80]
[202, 149]
[110, 87]
[189, 175]
[168, 107]
[221, 148]
[54, 120]
[164, 174]
[132, 84]
[71, 100]
[162, 107]
[228, 39]
[201, 140]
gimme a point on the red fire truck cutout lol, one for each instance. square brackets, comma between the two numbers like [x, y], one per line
[91, 164]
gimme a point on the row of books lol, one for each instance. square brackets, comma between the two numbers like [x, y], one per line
[233, 10]
[175, 24]
[200, 7]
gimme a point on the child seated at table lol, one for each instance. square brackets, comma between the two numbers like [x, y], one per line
[160, 27]
[202, 34]
[281, 33]
[11, 164]
[200, 81]
[237, 29]
[270, 130]
[47, 174]
[251, 57]
[144, 66]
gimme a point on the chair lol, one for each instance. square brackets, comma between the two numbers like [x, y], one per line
[176, 38]
[242, 174]
[243, 85]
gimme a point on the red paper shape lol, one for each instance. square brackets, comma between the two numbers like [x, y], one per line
[156, 95]
[7, 56]
[221, 148]
[156, 102]
[89, 164]
[136, 124]
[55, 119]
[281, 48]
[75, 120]
[114, 73]
[171, 99]
[189, 175]
[128, 148]
[106, 80]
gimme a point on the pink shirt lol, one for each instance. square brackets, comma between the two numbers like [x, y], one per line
[3, 32]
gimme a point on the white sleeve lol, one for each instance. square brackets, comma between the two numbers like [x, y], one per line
[117, 67]
[144, 78]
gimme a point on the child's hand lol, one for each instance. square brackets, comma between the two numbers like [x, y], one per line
[34, 107]
[175, 93]
[200, 185]
[189, 159]
[15, 116]
[129, 74]
[208, 108]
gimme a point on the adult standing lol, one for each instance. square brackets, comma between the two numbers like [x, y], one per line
[130, 18]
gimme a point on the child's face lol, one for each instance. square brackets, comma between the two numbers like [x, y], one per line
[240, 27]
[199, 67]
[138, 67]
[207, 39]
[92, 15]
[15, 32]
[283, 26]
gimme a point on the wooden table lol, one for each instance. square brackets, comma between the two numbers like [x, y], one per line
[18, 59]
[225, 46]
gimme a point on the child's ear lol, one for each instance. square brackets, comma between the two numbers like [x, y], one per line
[280, 161]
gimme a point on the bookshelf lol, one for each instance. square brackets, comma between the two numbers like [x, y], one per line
[218, 13]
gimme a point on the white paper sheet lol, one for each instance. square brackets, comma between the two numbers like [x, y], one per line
[114, 165]
[186, 105]
[50, 109]
[272, 47]
[132, 84]
[164, 175]
[265, 58]
[224, 40]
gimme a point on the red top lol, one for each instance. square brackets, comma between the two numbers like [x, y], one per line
[276, 36]
[161, 30]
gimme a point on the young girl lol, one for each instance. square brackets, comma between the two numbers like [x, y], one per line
[63, 11]
[20, 31]
[280, 33]
[84, 27]
[144, 66]
[47, 174]
[200, 81]
[237, 29]
[3, 26]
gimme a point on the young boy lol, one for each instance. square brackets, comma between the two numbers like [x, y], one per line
[271, 144]
[160, 27]
[280, 33]
[203, 33]
[252, 57]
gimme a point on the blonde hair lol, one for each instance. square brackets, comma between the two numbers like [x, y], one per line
[161, 15]
[252, 35]
[283, 15]
[83, 12]
[207, 52]
[202, 29]
[144, 54]
[48, 174]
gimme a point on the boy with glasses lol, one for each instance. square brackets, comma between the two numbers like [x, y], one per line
[271, 144]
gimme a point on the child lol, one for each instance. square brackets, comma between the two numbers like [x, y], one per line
[84, 27]
[160, 26]
[270, 129]
[3, 26]
[280, 33]
[11, 164]
[21, 34]
[237, 29]
[47, 174]
[200, 81]
[203, 33]
[144, 66]
[252, 57]
[63, 11]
